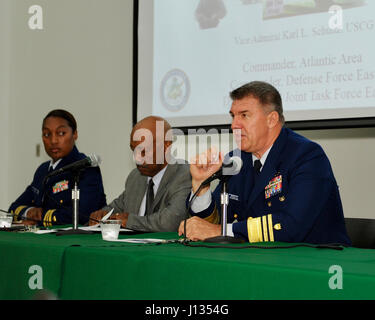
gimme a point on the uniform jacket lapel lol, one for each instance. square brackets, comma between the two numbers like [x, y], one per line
[70, 158]
[270, 167]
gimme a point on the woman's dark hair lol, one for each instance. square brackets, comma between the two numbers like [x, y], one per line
[267, 95]
[60, 113]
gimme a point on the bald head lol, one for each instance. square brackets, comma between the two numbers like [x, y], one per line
[151, 123]
[150, 140]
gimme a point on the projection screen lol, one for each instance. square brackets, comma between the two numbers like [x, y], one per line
[320, 55]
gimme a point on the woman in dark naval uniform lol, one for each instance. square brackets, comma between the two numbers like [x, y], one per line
[48, 201]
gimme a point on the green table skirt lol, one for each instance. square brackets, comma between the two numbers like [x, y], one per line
[86, 267]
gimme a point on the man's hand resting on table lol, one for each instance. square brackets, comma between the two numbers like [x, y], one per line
[199, 229]
[99, 214]
[34, 215]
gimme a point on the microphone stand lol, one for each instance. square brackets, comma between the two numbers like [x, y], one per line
[75, 216]
[224, 199]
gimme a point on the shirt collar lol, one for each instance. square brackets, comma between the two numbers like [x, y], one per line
[72, 156]
[263, 158]
[157, 177]
[54, 165]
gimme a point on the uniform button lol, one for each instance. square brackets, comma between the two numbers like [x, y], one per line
[282, 198]
[277, 226]
[61, 201]
[269, 203]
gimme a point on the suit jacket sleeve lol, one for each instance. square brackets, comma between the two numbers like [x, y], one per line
[172, 208]
[120, 204]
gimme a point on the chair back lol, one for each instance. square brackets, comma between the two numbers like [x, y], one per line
[361, 232]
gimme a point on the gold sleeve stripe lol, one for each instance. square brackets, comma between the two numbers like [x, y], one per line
[54, 217]
[260, 229]
[270, 227]
[48, 218]
[17, 212]
[249, 235]
[213, 217]
[45, 219]
[264, 225]
[254, 229]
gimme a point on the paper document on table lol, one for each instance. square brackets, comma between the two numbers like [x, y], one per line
[44, 231]
[95, 228]
[140, 240]
[51, 230]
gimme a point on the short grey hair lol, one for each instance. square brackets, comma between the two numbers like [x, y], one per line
[266, 93]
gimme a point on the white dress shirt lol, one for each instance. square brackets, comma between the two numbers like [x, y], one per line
[54, 165]
[156, 179]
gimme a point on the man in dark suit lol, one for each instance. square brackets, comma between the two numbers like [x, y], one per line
[285, 191]
[155, 191]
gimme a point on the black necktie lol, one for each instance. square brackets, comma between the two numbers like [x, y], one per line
[257, 166]
[149, 197]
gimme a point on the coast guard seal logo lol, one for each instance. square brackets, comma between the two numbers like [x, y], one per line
[175, 90]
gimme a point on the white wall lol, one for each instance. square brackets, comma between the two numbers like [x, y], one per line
[82, 61]
[4, 99]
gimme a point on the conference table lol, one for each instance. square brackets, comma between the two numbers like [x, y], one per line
[83, 266]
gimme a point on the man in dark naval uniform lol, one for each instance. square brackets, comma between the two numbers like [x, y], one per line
[285, 191]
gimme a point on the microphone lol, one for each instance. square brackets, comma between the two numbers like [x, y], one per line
[91, 160]
[231, 168]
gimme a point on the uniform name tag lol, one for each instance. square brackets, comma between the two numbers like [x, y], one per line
[273, 187]
[60, 186]
[35, 190]
[233, 197]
